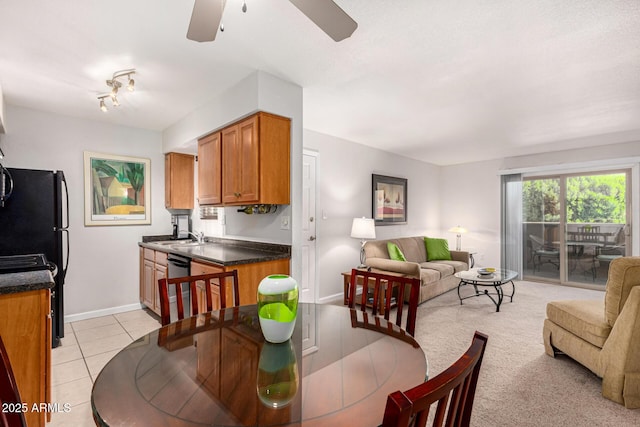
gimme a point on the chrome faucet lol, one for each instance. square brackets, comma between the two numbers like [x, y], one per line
[199, 235]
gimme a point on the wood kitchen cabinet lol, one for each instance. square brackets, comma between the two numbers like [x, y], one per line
[178, 181]
[153, 268]
[210, 170]
[198, 268]
[249, 161]
[25, 326]
[249, 277]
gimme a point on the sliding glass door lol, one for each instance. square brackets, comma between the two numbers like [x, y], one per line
[575, 225]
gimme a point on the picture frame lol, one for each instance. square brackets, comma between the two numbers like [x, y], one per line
[388, 200]
[117, 190]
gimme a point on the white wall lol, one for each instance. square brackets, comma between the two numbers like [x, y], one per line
[470, 197]
[344, 172]
[104, 261]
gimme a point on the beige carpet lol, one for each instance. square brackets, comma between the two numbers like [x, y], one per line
[519, 384]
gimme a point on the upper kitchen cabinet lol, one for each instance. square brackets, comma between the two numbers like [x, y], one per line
[252, 165]
[178, 181]
[210, 170]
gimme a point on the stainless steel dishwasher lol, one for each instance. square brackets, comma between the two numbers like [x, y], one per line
[179, 266]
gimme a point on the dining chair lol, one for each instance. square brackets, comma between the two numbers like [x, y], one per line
[542, 253]
[613, 250]
[382, 292]
[211, 280]
[453, 390]
[9, 394]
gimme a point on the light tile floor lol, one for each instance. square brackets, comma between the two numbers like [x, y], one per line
[86, 347]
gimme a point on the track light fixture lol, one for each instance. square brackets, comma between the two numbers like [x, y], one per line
[115, 84]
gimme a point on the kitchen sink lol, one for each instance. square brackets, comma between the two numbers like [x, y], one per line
[189, 244]
[179, 243]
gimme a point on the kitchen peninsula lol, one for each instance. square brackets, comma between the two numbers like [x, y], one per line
[253, 260]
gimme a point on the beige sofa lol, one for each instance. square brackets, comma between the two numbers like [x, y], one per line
[437, 277]
[604, 335]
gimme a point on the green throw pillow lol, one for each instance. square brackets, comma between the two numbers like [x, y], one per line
[394, 252]
[437, 249]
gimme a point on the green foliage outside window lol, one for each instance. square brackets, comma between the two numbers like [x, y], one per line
[590, 199]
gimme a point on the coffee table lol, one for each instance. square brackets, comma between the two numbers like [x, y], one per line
[496, 280]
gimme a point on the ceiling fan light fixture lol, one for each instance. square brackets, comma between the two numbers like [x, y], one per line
[206, 18]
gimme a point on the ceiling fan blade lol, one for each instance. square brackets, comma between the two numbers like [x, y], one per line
[205, 20]
[328, 16]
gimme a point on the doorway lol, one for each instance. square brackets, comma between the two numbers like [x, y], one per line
[308, 290]
[574, 225]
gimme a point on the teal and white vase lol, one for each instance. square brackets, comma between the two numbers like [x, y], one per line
[277, 307]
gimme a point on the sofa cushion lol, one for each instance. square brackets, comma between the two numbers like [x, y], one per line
[394, 252]
[624, 274]
[429, 275]
[437, 249]
[444, 268]
[412, 248]
[582, 318]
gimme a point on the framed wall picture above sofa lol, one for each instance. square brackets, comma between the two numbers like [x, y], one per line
[389, 200]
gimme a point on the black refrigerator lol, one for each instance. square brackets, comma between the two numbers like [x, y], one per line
[34, 219]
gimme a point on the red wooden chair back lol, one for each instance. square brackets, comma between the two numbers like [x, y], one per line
[384, 291]
[11, 414]
[453, 390]
[218, 280]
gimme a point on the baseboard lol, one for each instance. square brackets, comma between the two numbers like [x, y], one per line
[104, 312]
[331, 299]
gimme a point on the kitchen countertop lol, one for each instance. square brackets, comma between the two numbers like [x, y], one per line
[224, 252]
[11, 283]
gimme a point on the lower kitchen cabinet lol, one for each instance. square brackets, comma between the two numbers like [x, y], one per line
[249, 277]
[153, 266]
[25, 327]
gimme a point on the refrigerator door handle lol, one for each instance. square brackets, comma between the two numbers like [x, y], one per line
[65, 227]
[66, 264]
[66, 197]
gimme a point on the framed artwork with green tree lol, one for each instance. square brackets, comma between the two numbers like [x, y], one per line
[116, 190]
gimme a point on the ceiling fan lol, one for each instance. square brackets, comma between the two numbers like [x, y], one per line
[207, 14]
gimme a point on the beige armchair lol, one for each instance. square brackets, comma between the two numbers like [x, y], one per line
[604, 335]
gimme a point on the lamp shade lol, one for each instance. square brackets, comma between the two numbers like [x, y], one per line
[458, 230]
[363, 228]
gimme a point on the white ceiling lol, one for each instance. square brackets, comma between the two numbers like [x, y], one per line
[444, 81]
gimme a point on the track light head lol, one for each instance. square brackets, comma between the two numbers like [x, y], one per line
[130, 86]
[103, 106]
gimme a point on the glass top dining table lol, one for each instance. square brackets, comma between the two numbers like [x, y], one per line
[216, 369]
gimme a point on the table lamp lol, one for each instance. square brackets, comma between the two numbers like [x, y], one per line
[363, 228]
[459, 231]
